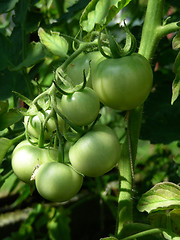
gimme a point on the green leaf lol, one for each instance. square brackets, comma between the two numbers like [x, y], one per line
[35, 55]
[9, 118]
[162, 196]
[5, 51]
[175, 88]
[54, 43]
[176, 82]
[58, 227]
[7, 5]
[175, 220]
[5, 144]
[100, 12]
[170, 235]
[3, 107]
[176, 41]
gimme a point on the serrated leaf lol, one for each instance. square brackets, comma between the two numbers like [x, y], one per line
[176, 41]
[35, 55]
[100, 12]
[162, 196]
[56, 44]
[176, 81]
[5, 144]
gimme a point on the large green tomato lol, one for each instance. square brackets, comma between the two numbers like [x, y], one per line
[26, 157]
[78, 65]
[34, 125]
[123, 83]
[81, 108]
[57, 182]
[95, 153]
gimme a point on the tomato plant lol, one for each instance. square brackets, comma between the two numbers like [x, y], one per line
[57, 182]
[116, 54]
[81, 107]
[123, 83]
[26, 157]
[95, 153]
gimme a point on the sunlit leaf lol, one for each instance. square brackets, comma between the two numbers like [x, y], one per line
[176, 41]
[53, 42]
[100, 12]
[162, 196]
[176, 82]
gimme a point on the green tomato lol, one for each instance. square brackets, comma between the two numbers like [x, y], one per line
[81, 108]
[34, 125]
[57, 182]
[123, 83]
[96, 152]
[78, 65]
[26, 157]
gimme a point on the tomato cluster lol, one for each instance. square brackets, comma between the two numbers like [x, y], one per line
[121, 84]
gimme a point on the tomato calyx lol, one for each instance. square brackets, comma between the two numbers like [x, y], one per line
[116, 50]
[65, 86]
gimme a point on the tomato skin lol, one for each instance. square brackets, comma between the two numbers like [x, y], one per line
[81, 108]
[123, 83]
[96, 152]
[34, 126]
[78, 65]
[27, 156]
[57, 182]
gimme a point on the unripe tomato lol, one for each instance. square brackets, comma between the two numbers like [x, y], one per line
[96, 152]
[57, 182]
[26, 157]
[123, 83]
[34, 126]
[81, 108]
[78, 65]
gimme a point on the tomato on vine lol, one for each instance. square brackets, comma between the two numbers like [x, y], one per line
[78, 65]
[81, 107]
[96, 152]
[57, 182]
[123, 83]
[26, 157]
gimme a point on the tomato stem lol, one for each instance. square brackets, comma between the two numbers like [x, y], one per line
[153, 31]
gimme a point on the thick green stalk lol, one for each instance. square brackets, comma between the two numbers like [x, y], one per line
[153, 31]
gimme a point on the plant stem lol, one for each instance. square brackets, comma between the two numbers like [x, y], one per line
[153, 28]
[152, 32]
[82, 47]
[126, 169]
